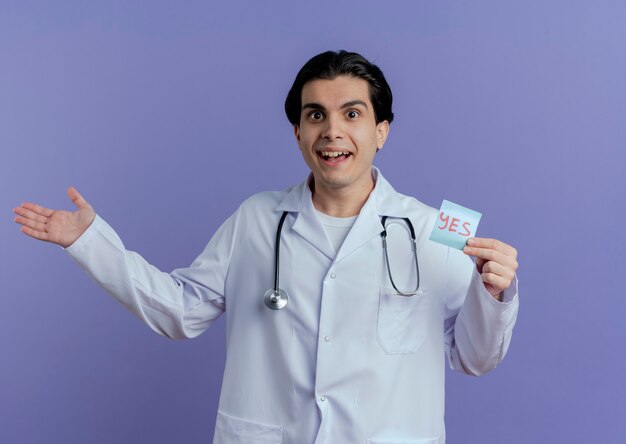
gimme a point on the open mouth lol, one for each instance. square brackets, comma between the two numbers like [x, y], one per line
[334, 156]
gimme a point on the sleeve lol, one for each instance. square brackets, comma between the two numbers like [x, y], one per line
[181, 304]
[478, 328]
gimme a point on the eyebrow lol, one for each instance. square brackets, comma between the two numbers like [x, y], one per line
[349, 104]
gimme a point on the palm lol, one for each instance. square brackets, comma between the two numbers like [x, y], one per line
[64, 227]
[56, 226]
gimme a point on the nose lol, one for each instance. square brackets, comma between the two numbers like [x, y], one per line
[332, 128]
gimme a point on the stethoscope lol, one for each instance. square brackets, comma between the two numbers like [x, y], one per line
[276, 298]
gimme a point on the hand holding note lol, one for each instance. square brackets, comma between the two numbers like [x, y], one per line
[495, 261]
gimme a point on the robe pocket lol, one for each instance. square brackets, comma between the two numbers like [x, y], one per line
[410, 441]
[233, 430]
[402, 321]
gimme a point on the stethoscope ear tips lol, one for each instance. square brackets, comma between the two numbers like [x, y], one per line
[275, 299]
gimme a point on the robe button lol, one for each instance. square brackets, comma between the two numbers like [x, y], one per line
[333, 275]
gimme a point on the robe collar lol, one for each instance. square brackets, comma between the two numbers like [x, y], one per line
[382, 201]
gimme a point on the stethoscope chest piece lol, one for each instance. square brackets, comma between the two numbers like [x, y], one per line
[275, 299]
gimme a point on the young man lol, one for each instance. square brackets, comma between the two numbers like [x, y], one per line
[357, 354]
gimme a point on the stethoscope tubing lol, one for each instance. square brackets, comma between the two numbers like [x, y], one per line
[276, 298]
[383, 235]
[277, 255]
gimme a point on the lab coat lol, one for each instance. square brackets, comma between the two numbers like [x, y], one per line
[347, 360]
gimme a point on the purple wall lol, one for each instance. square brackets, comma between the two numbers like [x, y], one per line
[166, 115]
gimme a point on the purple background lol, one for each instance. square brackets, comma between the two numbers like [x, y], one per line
[166, 115]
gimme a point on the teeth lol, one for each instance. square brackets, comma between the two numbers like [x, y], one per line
[333, 153]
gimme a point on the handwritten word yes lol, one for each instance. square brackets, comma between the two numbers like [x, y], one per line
[451, 224]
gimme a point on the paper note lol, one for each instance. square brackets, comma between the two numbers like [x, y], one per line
[454, 225]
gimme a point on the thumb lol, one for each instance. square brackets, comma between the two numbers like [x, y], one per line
[76, 197]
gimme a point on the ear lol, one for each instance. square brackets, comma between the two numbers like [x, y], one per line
[296, 132]
[382, 130]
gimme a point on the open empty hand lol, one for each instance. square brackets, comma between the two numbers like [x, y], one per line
[56, 226]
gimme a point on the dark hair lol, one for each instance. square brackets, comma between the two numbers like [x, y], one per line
[331, 64]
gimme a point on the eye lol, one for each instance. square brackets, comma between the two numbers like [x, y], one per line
[316, 115]
[352, 114]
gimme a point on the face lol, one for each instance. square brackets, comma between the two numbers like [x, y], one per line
[338, 134]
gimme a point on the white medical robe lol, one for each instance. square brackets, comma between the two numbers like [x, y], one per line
[347, 360]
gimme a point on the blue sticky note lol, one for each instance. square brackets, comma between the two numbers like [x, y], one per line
[454, 225]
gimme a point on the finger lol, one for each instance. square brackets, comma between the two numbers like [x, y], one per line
[46, 212]
[34, 233]
[28, 214]
[499, 269]
[37, 226]
[484, 255]
[76, 197]
[495, 244]
[488, 254]
[498, 282]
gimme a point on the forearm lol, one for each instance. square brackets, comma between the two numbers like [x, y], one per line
[483, 328]
[150, 294]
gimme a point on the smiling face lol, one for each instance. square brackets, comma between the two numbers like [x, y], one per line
[338, 135]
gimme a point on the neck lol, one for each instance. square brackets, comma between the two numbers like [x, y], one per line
[341, 202]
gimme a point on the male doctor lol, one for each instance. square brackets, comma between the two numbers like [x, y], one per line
[348, 359]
